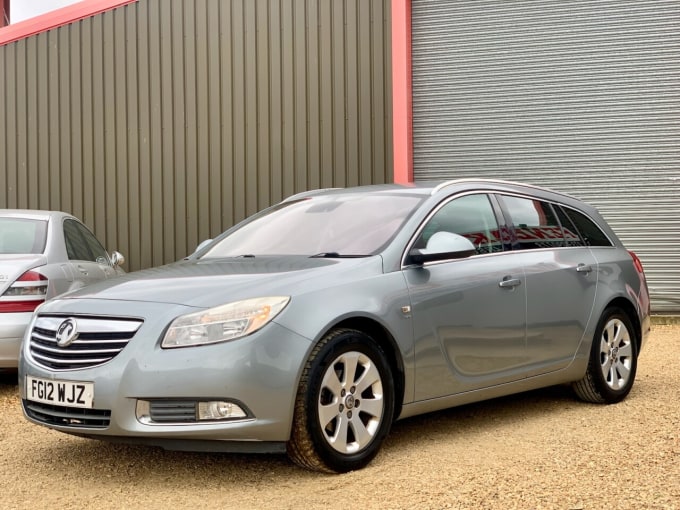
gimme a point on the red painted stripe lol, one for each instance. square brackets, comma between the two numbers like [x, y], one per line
[402, 111]
[57, 18]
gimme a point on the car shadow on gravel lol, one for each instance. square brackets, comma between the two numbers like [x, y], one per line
[119, 463]
[482, 417]
[8, 379]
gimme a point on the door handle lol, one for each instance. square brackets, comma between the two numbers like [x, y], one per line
[509, 282]
[584, 268]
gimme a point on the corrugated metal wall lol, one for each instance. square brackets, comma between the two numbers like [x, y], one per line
[163, 122]
[581, 96]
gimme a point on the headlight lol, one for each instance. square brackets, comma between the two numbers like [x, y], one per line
[223, 323]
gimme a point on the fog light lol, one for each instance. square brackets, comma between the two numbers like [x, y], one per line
[219, 411]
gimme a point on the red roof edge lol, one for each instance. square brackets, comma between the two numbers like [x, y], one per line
[57, 18]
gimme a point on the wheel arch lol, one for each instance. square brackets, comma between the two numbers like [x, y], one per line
[388, 344]
[631, 312]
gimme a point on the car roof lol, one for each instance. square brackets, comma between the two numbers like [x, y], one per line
[432, 188]
[34, 214]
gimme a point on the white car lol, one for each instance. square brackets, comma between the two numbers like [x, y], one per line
[43, 254]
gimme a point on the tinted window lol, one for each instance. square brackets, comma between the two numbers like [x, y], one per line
[470, 216]
[346, 224]
[571, 234]
[21, 235]
[82, 245]
[535, 223]
[95, 246]
[591, 233]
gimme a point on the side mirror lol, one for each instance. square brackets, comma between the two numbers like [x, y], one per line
[443, 246]
[117, 259]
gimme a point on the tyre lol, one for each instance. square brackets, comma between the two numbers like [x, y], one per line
[613, 360]
[344, 405]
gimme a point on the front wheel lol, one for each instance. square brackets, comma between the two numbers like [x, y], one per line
[613, 360]
[344, 405]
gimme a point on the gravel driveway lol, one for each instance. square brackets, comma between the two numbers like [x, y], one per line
[541, 449]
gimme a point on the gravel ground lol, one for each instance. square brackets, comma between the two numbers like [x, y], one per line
[537, 450]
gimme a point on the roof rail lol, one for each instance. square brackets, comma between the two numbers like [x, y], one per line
[453, 182]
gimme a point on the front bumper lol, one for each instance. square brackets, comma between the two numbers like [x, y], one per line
[260, 371]
[12, 328]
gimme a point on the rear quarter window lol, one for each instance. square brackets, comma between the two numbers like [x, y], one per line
[592, 234]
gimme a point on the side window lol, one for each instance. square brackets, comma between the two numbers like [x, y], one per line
[591, 233]
[571, 234]
[470, 216]
[76, 247]
[96, 249]
[82, 245]
[535, 223]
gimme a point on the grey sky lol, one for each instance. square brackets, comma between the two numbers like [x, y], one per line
[23, 9]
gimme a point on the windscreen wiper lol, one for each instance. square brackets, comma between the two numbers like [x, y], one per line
[334, 255]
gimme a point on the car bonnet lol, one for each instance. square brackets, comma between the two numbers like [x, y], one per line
[207, 283]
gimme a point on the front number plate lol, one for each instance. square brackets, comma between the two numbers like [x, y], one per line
[61, 393]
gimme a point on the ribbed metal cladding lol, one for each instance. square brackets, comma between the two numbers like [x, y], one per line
[580, 96]
[163, 122]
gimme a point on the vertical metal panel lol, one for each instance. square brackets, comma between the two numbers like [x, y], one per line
[5, 192]
[579, 96]
[163, 122]
[21, 106]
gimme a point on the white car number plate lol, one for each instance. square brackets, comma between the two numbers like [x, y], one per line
[61, 393]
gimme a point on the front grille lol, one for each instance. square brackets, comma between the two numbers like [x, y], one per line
[172, 411]
[98, 340]
[67, 416]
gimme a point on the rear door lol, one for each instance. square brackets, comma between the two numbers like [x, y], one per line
[561, 280]
[89, 260]
[468, 314]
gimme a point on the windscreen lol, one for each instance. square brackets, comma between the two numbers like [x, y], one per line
[22, 236]
[336, 225]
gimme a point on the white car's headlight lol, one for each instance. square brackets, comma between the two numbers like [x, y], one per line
[223, 323]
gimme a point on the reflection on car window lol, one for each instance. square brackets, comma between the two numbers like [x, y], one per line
[342, 224]
[592, 235]
[470, 216]
[82, 245]
[535, 223]
[22, 235]
[571, 234]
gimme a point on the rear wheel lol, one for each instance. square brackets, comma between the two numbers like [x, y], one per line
[344, 405]
[613, 360]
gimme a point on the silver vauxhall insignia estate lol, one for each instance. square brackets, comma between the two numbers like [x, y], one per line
[313, 325]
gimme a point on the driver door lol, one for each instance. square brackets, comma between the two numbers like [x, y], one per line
[469, 314]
